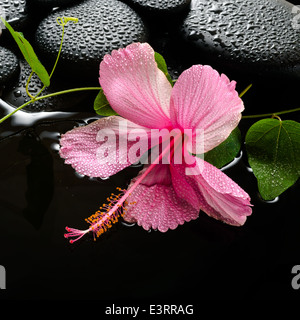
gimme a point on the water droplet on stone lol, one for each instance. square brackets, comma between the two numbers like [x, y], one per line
[17, 93]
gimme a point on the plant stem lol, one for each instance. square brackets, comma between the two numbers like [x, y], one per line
[48, 96]
[245, 90]
[59, 51]
[264, 115]
[27, 84]
[62, 22]
[273, 114]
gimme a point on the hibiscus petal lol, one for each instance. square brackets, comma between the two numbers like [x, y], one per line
[202, 99]
[213, 192]
[156, 204]
[91, 154]
[135, 87]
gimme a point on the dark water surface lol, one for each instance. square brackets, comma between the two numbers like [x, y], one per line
[204, 258]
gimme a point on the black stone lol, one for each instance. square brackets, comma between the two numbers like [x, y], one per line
[15, 12]
[9, 66]
[160, 7]
[53, 3]
[16, 95]
[103, 26]
[176, 60]
[255, 36]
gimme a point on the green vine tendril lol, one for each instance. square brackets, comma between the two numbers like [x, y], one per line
[62, 21]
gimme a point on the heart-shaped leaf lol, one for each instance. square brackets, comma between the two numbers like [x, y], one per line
[226, 151]
[102, 106]
[273, 148]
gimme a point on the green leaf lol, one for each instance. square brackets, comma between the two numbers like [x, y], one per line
[273, 148]
[102, 107]
[29, 54]
[161, 64]
[226, 151]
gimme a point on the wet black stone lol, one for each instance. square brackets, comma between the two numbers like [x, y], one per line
[103, 26]
[163, 43]
[9, 66]
[16, 95]
[255, 35]
[54, 3]
[161, 7]
[15, 12]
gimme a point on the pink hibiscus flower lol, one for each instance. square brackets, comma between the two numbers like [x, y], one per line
[162, 196]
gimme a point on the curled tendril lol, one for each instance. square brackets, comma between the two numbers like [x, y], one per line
[62, 21]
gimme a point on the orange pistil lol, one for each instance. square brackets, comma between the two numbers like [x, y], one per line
[104, 218]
